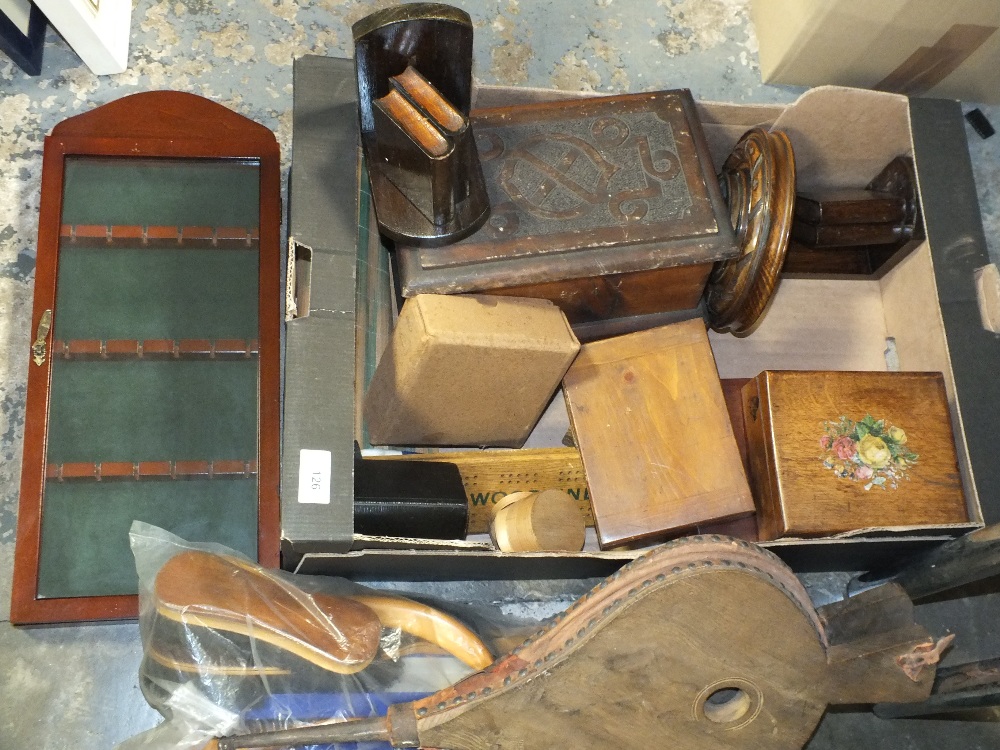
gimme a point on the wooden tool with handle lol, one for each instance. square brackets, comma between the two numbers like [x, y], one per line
[967, 559]
[711, 641]
[966, 690]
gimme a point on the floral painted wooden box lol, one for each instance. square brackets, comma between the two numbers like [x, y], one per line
[837, 452]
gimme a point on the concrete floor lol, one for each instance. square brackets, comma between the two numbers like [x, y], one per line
[76, 687]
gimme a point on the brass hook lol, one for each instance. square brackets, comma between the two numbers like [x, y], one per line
[38, 348]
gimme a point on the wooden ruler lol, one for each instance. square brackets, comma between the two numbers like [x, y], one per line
[489, 476]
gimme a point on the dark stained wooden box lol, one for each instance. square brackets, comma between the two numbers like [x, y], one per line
[834, 452]
[609, 207]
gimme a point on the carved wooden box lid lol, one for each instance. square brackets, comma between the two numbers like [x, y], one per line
[584, 188]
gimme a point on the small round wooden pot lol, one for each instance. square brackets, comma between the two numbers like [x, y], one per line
[548, 521]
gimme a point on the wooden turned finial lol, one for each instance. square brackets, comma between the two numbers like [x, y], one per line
[545, 521]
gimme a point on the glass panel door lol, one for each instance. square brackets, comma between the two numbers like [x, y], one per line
[153, 400]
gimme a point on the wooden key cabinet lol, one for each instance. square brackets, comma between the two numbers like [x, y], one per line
[153, 386]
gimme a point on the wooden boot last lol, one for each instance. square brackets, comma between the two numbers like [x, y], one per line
[200, 590]
[218, 619]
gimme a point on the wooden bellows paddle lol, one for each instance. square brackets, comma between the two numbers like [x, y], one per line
[711, 642]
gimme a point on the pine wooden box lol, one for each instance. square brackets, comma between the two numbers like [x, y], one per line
[657, 445]
[835, 452]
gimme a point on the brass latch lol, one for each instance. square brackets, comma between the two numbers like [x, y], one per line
[42, 333]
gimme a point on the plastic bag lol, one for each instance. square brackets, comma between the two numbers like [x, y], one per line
[229, 647]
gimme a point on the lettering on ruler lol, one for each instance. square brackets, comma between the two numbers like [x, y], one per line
[492, 497]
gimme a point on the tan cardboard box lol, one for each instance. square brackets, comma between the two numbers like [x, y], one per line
[468, 370]
[913, 47]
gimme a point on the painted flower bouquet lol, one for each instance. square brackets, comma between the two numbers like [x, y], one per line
[870, 451]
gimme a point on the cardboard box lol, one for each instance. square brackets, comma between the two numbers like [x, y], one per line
[317, 463]
[471, 370]
[924, 312]
[913, 47]
[834, 452]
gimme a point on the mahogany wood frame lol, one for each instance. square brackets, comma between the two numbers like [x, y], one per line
[163, 124]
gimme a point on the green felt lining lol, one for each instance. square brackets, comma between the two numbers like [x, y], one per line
[155, 410]
[152, 293]
[161, 192]
[148, 409]
[85, 547]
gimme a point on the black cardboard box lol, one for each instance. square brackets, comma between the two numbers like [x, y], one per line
[317, 462]
[922, 315]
